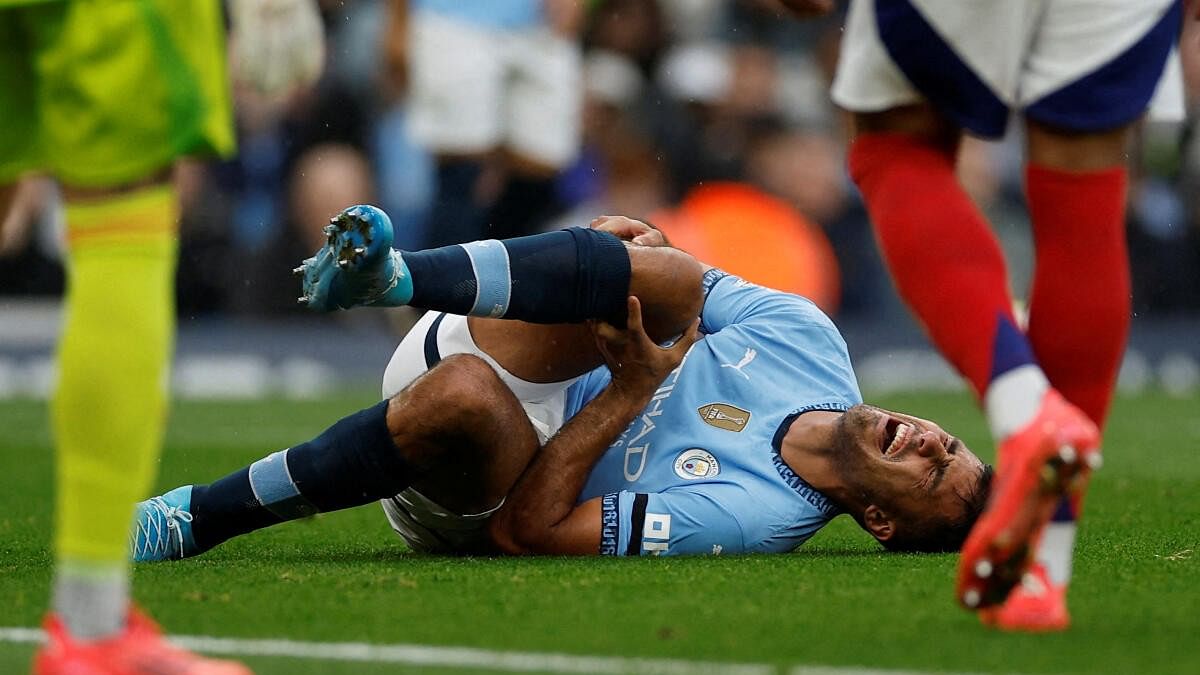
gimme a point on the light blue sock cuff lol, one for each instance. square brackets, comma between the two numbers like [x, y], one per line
[273, 487]
[489, 261]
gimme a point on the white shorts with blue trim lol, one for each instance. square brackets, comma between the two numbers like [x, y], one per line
[420, 521]
[428, 527]
[1083, 65]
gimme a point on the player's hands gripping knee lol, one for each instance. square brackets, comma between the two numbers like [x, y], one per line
[638, 365]
[633, 231]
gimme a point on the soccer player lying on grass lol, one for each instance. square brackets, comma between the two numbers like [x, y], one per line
[570, 431]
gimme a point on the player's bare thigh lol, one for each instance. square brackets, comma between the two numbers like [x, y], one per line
[666, 280]
[465, 431]
[1047, 146]
[1077, 151]
[921, 121]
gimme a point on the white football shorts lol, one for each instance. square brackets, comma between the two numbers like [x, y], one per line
[474, 88]
[421, 522]
[1082, 65]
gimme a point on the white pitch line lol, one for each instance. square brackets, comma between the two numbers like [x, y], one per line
[446, 657]
[467, 657]
[481, 659]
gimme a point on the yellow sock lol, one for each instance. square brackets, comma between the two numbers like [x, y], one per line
[110, 407]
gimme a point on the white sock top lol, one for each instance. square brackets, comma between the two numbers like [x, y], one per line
[1013, 399]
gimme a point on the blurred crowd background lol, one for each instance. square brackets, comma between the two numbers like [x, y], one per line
[710, 118]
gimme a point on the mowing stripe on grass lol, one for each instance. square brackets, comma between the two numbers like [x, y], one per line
[841, 670]
[469, 657]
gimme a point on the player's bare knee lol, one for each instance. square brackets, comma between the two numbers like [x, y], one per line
[446, 408]
[668, 282]
[458, 381]
[469, 384]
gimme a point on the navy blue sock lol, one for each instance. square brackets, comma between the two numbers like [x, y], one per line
[353, 462]
[557, 277]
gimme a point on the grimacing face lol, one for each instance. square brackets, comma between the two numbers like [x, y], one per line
[907, 466]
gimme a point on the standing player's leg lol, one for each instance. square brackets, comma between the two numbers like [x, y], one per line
[1078, 319]
[457, 434]
[949, 268]
[1079, 307]
[912, 93]
[907, 63]
[940, 250]
[1089, 74]
[108, 416]
[110, 404]
[1078, 129]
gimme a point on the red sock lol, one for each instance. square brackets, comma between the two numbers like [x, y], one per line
[944, 259]
[1079, 308]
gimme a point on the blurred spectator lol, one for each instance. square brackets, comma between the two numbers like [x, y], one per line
[240, 238]
[631, 28]
[668, 95]
[617, 170]
[493, 92]
[31, 246]
[762, 239]
[324, 181]
[802, 167]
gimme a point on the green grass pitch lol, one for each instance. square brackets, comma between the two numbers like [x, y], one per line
[838, 601]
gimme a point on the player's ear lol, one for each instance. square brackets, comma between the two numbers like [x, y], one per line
[878, 523]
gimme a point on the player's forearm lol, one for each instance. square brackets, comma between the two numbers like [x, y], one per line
[548, 491]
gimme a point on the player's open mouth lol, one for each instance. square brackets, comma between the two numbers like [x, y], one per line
[895, 436]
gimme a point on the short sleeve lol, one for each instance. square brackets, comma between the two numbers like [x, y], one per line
[781, 332]
[584, 389]
[731, 300]
[674, 522]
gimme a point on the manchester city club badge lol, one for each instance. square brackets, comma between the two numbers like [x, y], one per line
[695, 463]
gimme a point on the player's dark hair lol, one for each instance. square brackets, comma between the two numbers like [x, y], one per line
[938, 535]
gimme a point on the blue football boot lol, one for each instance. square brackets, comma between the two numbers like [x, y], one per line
[357, 265]
[162, 527]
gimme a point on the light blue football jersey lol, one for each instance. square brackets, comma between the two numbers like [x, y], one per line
[699, 471]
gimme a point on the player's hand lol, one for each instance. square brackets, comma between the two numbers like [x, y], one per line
[630, 230]
[276, 46]
[638, 365]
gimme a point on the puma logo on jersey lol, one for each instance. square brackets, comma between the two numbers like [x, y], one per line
[746, 359]
[724, 416]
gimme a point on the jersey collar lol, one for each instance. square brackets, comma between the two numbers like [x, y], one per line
[802, 488]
